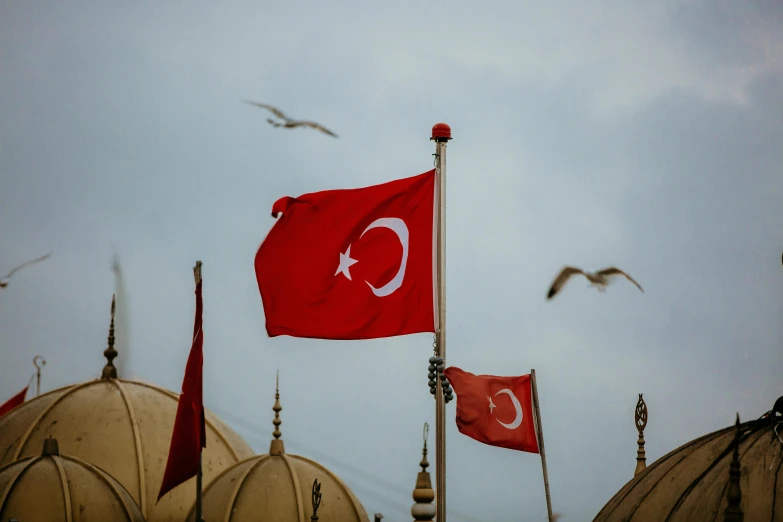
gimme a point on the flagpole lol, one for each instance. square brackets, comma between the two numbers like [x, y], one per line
[441, 134]
[197, 277]
[540, 432]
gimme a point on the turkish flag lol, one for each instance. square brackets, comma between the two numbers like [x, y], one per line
[13, 402]
[351, 263]
[189, 434]
[495, 410]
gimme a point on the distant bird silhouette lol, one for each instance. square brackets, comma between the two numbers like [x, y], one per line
[287, 122]
[4, 280]
[598, 279]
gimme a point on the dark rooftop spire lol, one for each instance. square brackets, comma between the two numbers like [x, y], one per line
[109, 371]
[276, 447]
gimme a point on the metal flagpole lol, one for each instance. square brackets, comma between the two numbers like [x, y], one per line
[198, 489]
[441, 133]
[197, 277]
[540, 432]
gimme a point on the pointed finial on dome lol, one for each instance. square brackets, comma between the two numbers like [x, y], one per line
[276, 448]
[733, 512]
[423, 494]
[50, 447]
[424, 464]
[641, 423]
[109, 371]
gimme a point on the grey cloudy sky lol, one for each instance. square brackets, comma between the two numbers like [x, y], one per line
[646, 135]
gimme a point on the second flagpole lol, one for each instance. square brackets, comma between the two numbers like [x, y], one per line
[197, 277]
[441, 134]
[540, 432]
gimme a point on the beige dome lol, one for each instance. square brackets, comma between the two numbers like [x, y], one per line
[278, 487]
[692, 483]
[55, 488]
[123, 427]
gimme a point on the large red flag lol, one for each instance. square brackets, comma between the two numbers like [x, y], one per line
[13, 402]
[495, 410]
[189, 434]
[351, 263]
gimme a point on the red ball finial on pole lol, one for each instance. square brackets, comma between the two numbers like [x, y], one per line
[441, 132]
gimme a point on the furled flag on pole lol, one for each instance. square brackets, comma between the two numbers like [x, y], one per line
[14, 401]
[351, 263]
[189, 434]
[495, 410]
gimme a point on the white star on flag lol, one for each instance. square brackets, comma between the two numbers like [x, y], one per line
[345, 263]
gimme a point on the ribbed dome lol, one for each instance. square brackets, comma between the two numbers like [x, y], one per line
[690, 483]
[124, 428]
[57, 488]
[278, 487]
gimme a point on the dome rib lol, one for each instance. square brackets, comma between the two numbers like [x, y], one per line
[12, 482]
[297, 487]
[240, 484]
[208, 423]
[64, 486]
[70, 390]
[726, 485]
[725, 453]
[137, 441]
[775, 485]
[343, 486]
[103, 477]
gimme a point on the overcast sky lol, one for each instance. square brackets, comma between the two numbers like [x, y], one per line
[646, 135]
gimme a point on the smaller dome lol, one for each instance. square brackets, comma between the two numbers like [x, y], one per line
[278, 487]
[691, 483]
[53, 487]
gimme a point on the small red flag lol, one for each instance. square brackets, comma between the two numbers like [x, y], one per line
[495, 410]
[189, 434]
[13, 402]
[351, 263]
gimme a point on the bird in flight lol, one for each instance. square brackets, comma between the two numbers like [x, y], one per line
[4, 280]
[598, 279]
[287, 122]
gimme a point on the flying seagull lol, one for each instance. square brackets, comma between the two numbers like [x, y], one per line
[287, 122]
[598, 279]
[4, 280]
